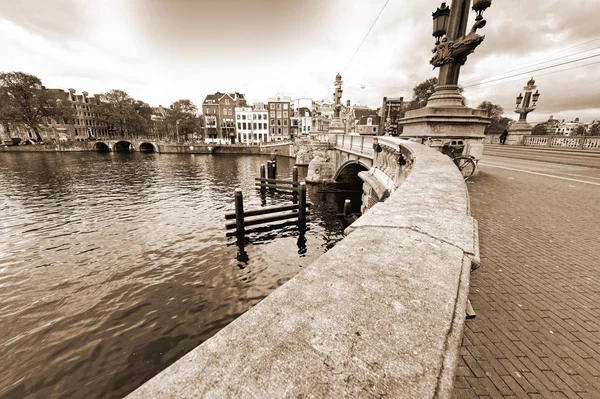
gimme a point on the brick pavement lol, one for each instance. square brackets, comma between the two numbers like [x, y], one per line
[537, 293]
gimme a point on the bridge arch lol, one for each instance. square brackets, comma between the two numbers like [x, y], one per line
[147, 147]
[348, 171]
[123, 146]
[100, 146]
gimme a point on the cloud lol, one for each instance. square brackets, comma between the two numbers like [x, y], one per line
[162, 50]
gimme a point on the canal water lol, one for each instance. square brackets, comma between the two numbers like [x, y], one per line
[114, 265]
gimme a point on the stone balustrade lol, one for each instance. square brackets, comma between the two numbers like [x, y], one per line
[379, 315]
[578, 142]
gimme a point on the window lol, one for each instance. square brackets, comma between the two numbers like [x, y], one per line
[244, 125]
[265, 116]
[278, 106]
[278, 122]
[308, 128]
[272, 114]
[254, 125]
[239, 125]
[279, 114]
[273, 130]
[285, 106]
[374, 130]
[285, 114]
[259, 117]
[285, 122]
[285, 131]
[243, 117]
[272, 122]
[271, 106]
[253, 116]
[238, 117]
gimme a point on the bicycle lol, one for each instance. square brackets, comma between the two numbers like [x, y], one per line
[454, 149]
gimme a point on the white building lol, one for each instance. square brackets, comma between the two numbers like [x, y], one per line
[252, 124]
[567, 128]
[304, 116]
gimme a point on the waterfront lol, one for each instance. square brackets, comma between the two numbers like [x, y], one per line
[112, 265]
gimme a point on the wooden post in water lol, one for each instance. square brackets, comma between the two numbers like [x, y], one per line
[262, 176]
[239, 211]
[347, 207]
[295, 180]
[302, 203]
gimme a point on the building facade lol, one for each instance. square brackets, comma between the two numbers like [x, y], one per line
[280, 114]
[368, 125]
[219, 116]
[392, 110]
[252, 124]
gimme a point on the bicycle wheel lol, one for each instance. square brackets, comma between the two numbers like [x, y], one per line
[466, 166]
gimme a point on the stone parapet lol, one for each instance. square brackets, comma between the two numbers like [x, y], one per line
[379, 315]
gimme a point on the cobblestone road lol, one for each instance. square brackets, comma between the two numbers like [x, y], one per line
[537, 293]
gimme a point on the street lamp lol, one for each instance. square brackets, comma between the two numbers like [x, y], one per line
[519, 99]
[440, 22]
[451, 52]
[480, 6]
[527, 103]
[536, 96]
[177, 129]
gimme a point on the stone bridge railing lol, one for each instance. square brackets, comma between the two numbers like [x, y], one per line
[575, 142]
[581, 142]
[379, 315]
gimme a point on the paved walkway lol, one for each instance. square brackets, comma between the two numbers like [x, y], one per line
[537, 293]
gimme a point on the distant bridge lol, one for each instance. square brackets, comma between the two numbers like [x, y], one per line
[124, 145]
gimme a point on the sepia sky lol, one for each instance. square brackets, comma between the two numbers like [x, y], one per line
[163, 50]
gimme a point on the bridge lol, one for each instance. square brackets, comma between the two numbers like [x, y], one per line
[380, 314]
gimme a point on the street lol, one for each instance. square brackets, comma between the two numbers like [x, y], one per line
[537, 292]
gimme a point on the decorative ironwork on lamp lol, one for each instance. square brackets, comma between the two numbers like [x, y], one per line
[440, 22]
[519, 99]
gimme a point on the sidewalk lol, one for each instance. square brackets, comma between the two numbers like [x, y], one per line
[537, 293]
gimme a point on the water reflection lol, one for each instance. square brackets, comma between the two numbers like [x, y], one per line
[114, 265]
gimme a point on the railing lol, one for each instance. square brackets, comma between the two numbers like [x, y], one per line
[491, 139]
[359, 144]
[580, 142]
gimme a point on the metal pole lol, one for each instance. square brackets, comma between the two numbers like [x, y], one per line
[239, 211]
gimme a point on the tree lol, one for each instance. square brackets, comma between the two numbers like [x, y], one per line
[123, 114]
[541, 129]
[580, 130]
[423, 91]
[494, 111]
[595, 129]
[183, 114]
[498, 123]
[24, 100]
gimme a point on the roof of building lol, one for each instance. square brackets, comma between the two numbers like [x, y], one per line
[303, 110]
[360, 113]
[376, 120]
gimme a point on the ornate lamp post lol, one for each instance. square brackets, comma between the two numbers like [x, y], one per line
[336, 125]
[445, 116]
[525, 104]
[452, 51]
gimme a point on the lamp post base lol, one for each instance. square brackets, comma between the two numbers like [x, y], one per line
[337, 126]
[461, 125]
[517, 133]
